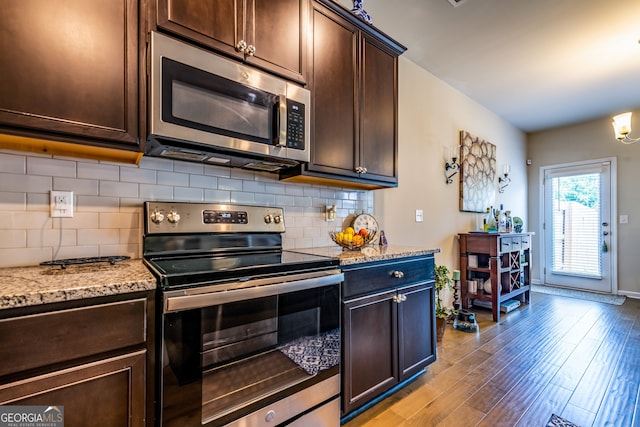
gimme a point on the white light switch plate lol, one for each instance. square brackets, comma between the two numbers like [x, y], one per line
[61, 204]
[419, 215]
[624, 219]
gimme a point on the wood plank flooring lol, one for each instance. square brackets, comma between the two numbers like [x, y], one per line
[578, 359]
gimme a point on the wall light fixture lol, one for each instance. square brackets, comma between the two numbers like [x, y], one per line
[504, 180]
[451, 165]
[622, 128]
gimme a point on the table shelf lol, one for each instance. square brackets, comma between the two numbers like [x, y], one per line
[509, 264]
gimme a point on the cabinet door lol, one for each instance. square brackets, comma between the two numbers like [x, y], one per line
[378, 117]
[334, 83]
[416, 328]
[70, 68]
[370, 360]
[215, 23]
[278, 30]
[109, 392]
[275, 29]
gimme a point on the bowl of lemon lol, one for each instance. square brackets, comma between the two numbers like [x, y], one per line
[352, 240]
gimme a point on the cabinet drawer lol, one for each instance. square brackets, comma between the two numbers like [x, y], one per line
[386, 275]
[505, 244]
[516, 243]
[525, 242]
[43, 339]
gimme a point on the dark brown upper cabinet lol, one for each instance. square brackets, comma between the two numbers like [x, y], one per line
[354, 82]
[270, 34]
[69, 74]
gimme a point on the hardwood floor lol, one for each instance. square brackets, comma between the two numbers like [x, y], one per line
[578, 359]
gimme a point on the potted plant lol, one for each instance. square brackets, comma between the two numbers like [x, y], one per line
[443, 281]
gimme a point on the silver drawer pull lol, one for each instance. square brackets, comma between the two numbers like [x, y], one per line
[398, 274]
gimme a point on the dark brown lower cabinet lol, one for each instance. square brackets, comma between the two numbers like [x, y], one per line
[388, 330]
[109, 392]
[94, 358]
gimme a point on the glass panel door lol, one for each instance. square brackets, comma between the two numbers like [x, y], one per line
[577, 226]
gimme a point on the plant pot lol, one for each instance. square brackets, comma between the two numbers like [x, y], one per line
[440, 325]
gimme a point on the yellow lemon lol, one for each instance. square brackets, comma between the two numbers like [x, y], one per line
[350, 230]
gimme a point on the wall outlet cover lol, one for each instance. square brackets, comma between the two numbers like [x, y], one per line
[61, 204]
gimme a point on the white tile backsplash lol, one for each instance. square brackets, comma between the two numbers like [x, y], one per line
[50, 166]
[109, 196]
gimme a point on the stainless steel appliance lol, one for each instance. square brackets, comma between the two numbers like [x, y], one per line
[249, 333]
[207, 108]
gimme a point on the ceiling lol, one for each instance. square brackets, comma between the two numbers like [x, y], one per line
[538, 64]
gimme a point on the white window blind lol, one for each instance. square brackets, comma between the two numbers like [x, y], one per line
[576, 225]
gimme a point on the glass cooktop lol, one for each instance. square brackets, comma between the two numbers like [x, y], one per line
[197, 270]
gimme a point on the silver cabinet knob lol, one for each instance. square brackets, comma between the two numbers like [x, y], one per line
[398, 274]
[250, 50]
[399, 298]
[241, 46]
[268, 219]
[277, 219]
[361, 169]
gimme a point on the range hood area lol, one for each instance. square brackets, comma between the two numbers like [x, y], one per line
[193, 152]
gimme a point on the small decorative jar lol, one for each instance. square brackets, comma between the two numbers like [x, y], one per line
[358, 10]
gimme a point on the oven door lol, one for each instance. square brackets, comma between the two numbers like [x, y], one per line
[257, 354]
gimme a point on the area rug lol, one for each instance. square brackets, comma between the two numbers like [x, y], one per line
[572, 293]
[556, 421]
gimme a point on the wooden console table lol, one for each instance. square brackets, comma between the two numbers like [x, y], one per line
[505, 259]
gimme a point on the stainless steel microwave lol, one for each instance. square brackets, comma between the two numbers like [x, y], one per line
[206, 108]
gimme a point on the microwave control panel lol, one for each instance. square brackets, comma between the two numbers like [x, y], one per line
[295, 125]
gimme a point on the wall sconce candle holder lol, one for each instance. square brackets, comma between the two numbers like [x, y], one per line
[503, 182]
[450, 169]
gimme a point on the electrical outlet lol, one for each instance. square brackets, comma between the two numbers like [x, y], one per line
[61, 204]
[419, 215]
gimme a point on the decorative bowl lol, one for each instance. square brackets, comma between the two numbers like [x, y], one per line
[355, 243]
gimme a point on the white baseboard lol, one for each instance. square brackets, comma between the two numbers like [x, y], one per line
[629, 294]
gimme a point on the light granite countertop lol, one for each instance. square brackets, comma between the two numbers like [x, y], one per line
[27, 286]
[369, 253]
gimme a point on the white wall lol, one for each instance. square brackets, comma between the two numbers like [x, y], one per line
[431, 115]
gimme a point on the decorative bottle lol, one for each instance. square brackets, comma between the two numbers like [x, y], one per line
[502, 220]
[486, 220]
[492, 226]
[509, 222]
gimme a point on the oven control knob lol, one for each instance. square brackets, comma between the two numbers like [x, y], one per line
[277, 219]
[270, 416]
[268, 219]
[157, 217]
[173, 217]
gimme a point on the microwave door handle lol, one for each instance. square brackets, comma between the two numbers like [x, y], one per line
[282, 121]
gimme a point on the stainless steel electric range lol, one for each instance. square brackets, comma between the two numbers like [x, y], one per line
[249, 333]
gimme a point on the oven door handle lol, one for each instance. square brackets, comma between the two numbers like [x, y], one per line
[182, 300]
